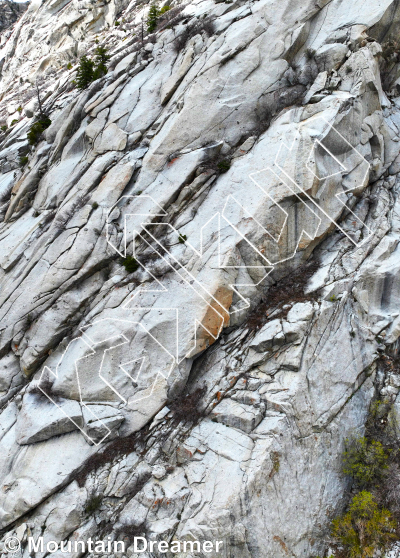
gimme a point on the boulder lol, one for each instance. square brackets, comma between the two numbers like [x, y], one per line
[264, 339]
[237, 415]
[39, 419]
[329, 57]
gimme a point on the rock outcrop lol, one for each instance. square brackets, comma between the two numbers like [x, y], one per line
[10, 12]
[198, 268]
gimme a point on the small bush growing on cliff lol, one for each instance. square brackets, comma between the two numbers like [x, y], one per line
[310, 53]
[100, 60]
[152, 18]
[224, 166]
[93, 504]
[154, 15]
[84, 74]
[130, 264]
[37, 129]
[365, 460]
[89, 70]
[391, 489]
[22, 161]
[365, 528]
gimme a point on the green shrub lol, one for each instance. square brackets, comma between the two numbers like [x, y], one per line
[93, 504]
[365, 528]
[19, 109]
[14, 122]
[164, 9]
[69, 66]
[3, 128]
[130, 264]
[100, 59]
[378, 409]
[90, 70]
[116, 23]
[37, 129]
[182, 238]
[310, 53]
[84, 74]
[23, 161]
[152, 18]
[95, 205]
[365, 460]
[224, 166]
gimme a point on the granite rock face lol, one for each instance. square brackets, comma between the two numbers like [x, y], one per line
[10, 12]
[198, 268]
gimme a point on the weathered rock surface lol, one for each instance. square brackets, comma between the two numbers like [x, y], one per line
[250, 165]
[10, 12]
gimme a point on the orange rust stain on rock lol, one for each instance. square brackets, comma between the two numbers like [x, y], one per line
[215, 318]
[283, 545]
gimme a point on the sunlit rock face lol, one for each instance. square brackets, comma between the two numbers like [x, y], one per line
[198, 266]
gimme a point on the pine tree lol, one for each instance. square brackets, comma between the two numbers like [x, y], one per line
[152, 18]
[101, 58]
[84, 74]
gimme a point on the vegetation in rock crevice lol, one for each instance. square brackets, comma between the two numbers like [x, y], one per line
[130, 264]
[154, 15]
[371, 524]
[93, 503]
[89, 70]
[365, 460]
[204, 26]
[365, 528]
[37, 129]
[388, 65]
